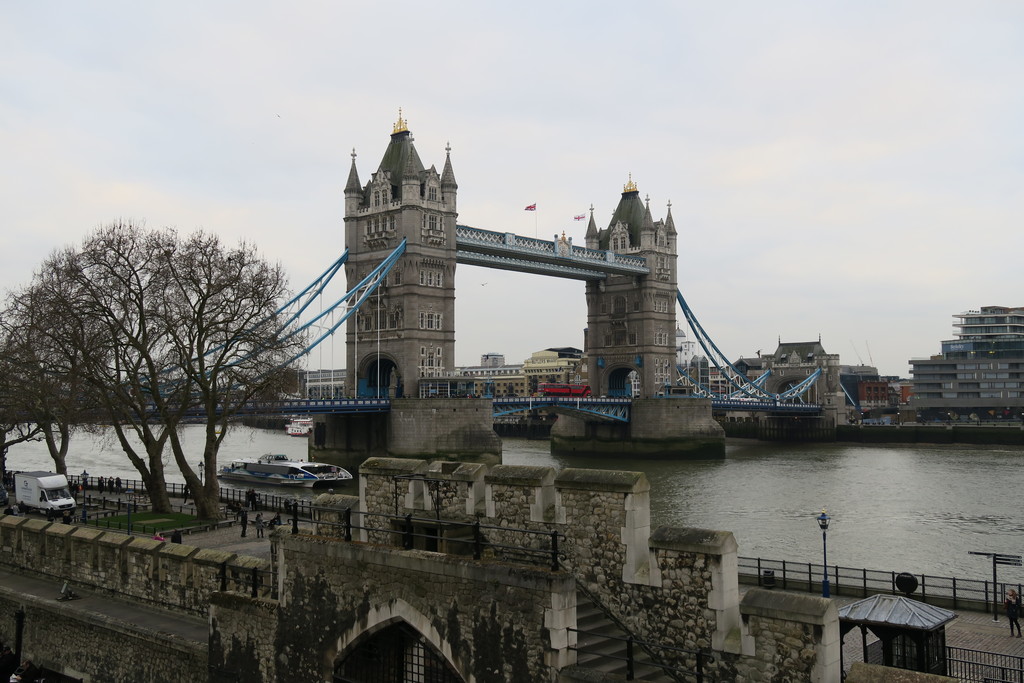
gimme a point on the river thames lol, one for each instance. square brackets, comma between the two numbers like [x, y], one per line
[918, 509]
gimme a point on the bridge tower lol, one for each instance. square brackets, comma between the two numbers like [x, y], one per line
[406, 332]
[631, 321]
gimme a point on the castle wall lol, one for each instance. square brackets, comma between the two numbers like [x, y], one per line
[96, 647]
[166, 575]
[491, 621]
[502, 618]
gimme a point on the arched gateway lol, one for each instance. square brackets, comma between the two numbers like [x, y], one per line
[397, 652]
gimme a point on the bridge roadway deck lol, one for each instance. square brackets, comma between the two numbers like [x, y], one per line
[970, 630]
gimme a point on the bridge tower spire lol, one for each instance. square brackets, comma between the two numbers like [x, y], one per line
[631, 321]
[405, 333]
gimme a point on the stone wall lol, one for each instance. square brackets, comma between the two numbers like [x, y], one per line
[502, 619]
[677, 587]
[98, 648]
[493, 622]
[796, 637]
[243, 640]
[167, 575]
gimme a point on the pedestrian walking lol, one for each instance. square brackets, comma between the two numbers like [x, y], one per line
[244, 520]
[1012, 604]
[259, 525]
[184, 494]
[99, 484]
[118, 483]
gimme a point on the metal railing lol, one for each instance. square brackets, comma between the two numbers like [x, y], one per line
[945, 591]
[976, 665]
[255, 581]
[629, 657]
[539, 547]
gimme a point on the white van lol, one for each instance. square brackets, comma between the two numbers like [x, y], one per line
[43, 491]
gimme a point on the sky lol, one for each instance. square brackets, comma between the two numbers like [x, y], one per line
[844, 171]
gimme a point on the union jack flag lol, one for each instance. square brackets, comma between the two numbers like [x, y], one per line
[531, 207]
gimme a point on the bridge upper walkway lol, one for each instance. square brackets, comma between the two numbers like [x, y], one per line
[615, 409]
[508, 251]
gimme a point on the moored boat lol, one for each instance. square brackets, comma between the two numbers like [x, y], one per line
[300, 426]
[278, 470]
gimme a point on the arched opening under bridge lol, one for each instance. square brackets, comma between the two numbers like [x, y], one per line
[381, 379]
[621, 381]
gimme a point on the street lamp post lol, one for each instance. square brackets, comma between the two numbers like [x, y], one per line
[85, 480]
[823, 520]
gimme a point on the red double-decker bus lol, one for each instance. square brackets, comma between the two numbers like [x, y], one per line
[572, 390]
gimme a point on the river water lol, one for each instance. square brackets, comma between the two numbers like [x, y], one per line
[918, 509]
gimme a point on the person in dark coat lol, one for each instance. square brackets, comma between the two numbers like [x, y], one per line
[8, 663]
[176, 536]
[1012, 604]
[244, 521]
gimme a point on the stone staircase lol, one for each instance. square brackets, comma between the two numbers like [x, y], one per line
[602, 646]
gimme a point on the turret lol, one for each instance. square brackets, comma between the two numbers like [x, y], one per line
[353, 190]
[449, 187]
[592, 237]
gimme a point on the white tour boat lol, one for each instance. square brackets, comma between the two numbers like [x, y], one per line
[278, 470]
[300, 426]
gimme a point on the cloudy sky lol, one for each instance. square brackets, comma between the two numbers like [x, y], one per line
[845, 170]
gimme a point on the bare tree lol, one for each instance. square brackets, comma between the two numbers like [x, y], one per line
[43, 372]
[222, 317]
[104, 299]
[15, 426]
[149, 329]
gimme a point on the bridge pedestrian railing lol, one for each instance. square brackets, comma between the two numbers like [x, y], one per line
[949, 592]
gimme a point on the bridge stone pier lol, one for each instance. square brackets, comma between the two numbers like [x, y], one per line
[659, 428]
[456, 429]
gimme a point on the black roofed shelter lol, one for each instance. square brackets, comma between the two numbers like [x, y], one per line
[912, 634]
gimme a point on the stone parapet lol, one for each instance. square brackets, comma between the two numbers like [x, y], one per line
[88, 645]
[168, 575]
[796, 637]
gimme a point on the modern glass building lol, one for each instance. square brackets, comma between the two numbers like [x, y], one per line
[979, 376]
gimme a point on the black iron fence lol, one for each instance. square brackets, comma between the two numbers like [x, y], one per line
[949, 592]
[525, 546]
[254, 581]
[988, 667]
[629, 648]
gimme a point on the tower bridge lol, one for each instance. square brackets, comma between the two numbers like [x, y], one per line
[404, 243]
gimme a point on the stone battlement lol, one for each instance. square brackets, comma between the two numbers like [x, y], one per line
[168, 575]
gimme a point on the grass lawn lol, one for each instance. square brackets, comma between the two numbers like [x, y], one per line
[149, 521]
